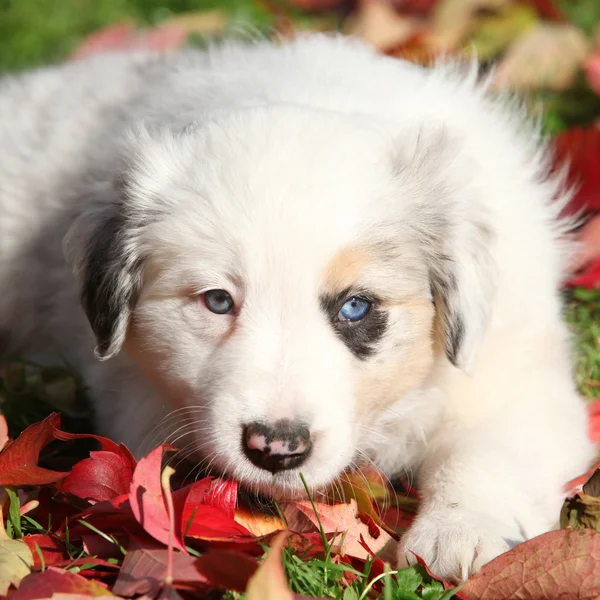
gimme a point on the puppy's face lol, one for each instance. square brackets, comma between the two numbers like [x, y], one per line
[273, 277]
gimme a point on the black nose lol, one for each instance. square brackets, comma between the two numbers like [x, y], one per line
[277, 446]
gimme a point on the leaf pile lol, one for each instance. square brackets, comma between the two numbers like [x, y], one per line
[113, 526]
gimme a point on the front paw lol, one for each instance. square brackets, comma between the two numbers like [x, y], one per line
[454, 544]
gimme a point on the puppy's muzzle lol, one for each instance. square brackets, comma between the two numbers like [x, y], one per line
[278, 446]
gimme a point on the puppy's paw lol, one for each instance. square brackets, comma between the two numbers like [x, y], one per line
[453, 544]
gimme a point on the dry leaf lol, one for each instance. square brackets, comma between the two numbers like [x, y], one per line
[455, 20]
[493, 34]
[558, 564]
[592, 71]
[269, 582]
[16, 561]
[258, 524]
[207, 22]
[378, 23]
[547, 57]
[344, 520]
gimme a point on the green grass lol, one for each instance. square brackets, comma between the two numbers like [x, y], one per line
[36, 32]
[583, 313]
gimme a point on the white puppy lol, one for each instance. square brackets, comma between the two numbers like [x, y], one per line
[316, 256]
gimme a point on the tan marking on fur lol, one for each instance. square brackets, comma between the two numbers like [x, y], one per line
[391, 374]
[345, 268]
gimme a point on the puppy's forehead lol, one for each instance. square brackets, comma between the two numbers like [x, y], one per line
[290, 190]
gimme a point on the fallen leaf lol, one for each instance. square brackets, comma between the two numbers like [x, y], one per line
[227, 569]
[269, 581]
[594, 422]
[144, 569]
[592, 486]
[579, 147]
[147, 500]
[19, 458]
[209, 523]
[207, 510]
[588, 246]
[581, 511]
[455, 20]
[379, 24]
[103, 476]
[363, 491]
[591, 68]
[558, 564]
[126, 37]
[53, 581]
[344, 520]
[493, 34]
[547, 56]
[203, 22]
[589, 278]
[16, 560]
[258, 524]
[51, 548]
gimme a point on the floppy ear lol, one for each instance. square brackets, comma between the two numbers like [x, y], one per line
[452, 228]
[102, 247]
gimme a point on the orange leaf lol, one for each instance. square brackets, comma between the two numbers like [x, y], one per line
[344, 520]
[558, 564]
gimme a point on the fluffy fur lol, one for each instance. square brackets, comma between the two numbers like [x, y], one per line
[295, 176]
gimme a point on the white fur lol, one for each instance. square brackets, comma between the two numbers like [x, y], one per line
[249, 169]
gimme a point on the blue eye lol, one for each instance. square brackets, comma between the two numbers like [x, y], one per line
[218, 301]
[354, 309]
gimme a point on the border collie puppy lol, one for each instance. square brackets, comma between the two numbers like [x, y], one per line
[301, 258]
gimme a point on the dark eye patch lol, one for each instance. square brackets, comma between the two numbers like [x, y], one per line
[360, 337]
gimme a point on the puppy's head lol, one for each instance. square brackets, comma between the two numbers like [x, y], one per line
[280, 274]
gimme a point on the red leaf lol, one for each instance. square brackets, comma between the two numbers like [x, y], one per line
[106, 444]
[53, 510]
[18, 460]
[147, 500]
[588, 278]
[210, 523]
[103, 476]
[594, 422]
[558, 564]
[55, 581]
[227, 569]
[51, 548]
[581, 148]
[207, 509]
[222, 494]
[124, 36]
[145, 568]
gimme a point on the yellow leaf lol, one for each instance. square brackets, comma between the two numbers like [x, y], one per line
[546, 57]
[380, 25]
[200, 22]
[258, 524]
[16, 561]
[455, 20]
[494, 33]
[269, 581]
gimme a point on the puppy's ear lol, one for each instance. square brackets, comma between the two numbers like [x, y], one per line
[452, 228]
[102, 247]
